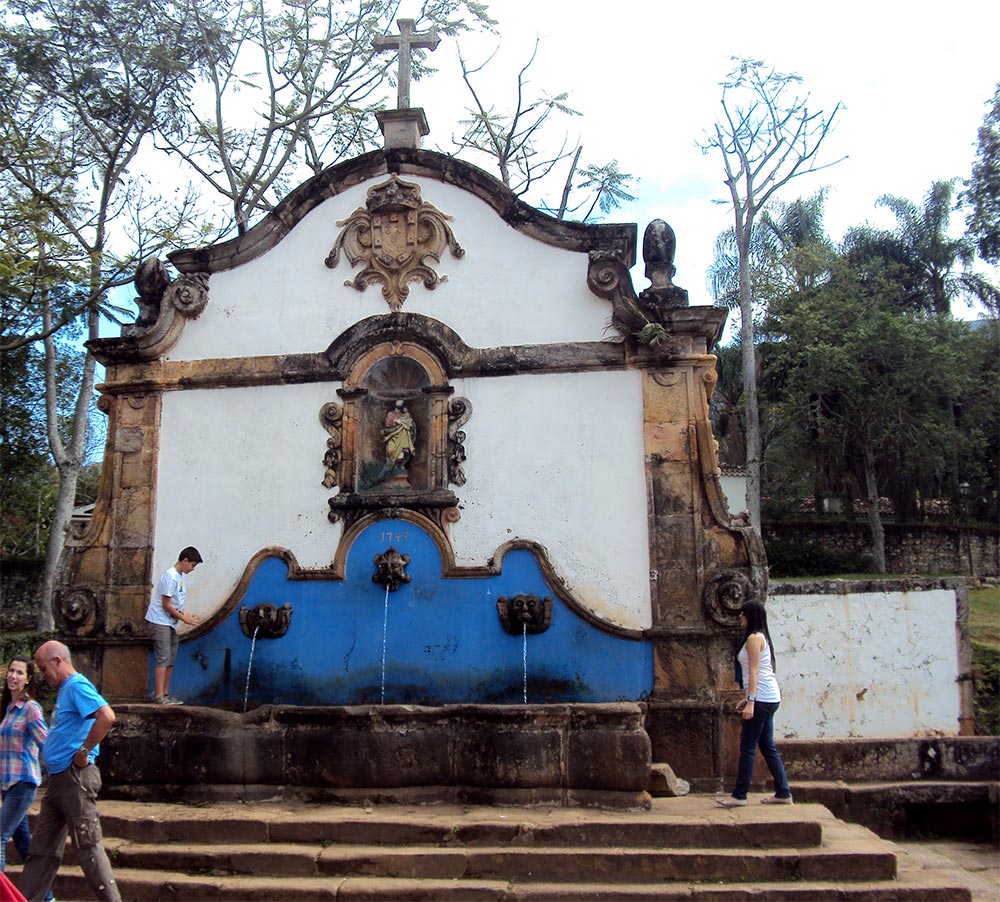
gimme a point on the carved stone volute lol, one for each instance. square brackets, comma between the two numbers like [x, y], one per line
[725, 594]
[164, 307]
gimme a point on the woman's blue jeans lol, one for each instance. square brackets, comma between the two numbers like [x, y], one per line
[758, 731]
[14, 821]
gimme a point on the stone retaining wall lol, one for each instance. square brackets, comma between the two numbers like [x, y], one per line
[909, 548]
[20, 581]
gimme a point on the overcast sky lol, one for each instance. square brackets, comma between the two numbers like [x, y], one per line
[914, 81]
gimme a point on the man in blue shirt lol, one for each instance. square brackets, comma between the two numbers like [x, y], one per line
[80, 720]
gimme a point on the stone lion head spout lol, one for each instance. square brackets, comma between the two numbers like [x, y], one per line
[265, 621]
[390, 569]
[525, 613]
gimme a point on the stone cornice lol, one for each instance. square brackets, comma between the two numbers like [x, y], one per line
[573, 236]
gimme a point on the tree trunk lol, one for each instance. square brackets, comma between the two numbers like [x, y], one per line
[874, 515]
[68, 459]
[61, 517]
[751, 413]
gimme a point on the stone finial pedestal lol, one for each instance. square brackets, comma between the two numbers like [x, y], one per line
[402, 128]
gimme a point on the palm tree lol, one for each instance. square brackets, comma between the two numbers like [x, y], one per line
[932, 267]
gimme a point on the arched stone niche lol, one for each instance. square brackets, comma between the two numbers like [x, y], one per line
[395, 437]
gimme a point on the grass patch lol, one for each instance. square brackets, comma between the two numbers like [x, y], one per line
[984, 630]
[984, 615]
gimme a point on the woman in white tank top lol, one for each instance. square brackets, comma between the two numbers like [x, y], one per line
[757, 675]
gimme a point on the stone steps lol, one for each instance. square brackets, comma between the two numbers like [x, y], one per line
[685, 848]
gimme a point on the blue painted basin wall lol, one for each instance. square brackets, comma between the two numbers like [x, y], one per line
[443, 640]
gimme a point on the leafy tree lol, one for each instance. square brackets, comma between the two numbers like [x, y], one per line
[288, 90]
[789, 252]
[869, 385]
[78, 95]
[932, 267]
[29, 483]
[982, 192]
[726, 405]
[766, 136]
[515, 141]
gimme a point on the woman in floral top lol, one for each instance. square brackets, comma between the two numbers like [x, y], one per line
[22, 732]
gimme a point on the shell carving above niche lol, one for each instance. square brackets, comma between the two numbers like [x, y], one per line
[396, 236]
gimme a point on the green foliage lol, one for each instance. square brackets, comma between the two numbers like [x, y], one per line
[984, 630]
[982, 192]
[986, 667]
[808, 559]
[931, 267]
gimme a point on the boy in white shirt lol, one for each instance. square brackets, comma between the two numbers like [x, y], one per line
[165, 608]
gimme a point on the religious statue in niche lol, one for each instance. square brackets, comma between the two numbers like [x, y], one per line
[397, 440]
[395, 423]
[399, 435]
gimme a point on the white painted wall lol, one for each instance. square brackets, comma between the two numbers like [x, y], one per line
[550, 454]
[508, 289]
[241, 470]
[879, 664]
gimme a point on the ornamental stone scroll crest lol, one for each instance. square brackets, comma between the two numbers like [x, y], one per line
[80, 612]
[394, 236]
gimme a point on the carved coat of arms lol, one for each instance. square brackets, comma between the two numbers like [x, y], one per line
[395, 235]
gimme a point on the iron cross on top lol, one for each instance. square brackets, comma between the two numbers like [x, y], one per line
[404, 42]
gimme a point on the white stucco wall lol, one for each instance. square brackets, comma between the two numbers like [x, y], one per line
[559, 459]
[878, 664]
[241, 469]
[508, 289]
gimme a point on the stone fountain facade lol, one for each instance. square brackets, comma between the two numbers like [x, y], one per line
[436, 451]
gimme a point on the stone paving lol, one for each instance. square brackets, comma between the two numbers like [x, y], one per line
[977, 865]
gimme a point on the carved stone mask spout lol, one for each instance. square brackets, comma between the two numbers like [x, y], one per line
[389, 569]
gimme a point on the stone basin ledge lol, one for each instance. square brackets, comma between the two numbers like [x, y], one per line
[565, 754]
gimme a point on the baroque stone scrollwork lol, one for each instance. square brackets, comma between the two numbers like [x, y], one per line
[164, 306]
[525, 613]
[331, 415]
[390, 569]
[265, 621]
[394, 236]
[647, 316]
[724, 595]
[459, 411]
[188, 294]
[80, 612]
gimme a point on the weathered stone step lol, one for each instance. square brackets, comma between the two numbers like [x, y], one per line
[292, 851]
[157, 886]
[844, 859]
[689, 824]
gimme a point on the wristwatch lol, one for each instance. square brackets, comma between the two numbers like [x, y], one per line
[751, 698]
